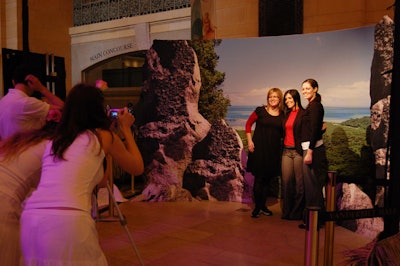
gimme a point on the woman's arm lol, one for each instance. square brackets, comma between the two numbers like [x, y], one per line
[127, 156]
[316, 121]
[107, 164]
[35, 84]
[250, 121]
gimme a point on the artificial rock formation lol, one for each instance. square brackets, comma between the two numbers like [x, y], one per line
[351, 197]
[178, 144]
[216, 171]
[380, 90]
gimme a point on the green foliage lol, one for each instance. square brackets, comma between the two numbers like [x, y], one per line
[345, 133]
[213, 105]
[346, 148]
[362, 122]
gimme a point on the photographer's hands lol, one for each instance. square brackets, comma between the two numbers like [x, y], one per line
[125, 121]
[127, 156]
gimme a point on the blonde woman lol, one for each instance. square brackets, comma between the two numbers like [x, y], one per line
[265, 146]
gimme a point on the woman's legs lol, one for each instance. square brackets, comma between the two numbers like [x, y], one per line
[292, 185]
[260, 191]
[287, 182]
[315, 176]
[298, 201]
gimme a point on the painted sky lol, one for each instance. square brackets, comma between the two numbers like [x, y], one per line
[339, 60]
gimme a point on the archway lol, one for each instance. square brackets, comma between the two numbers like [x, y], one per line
[124, 75]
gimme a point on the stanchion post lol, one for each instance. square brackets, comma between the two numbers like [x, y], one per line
[329, 225]
[312, 237]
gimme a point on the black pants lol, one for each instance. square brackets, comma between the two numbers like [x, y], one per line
[260, 191]
[315, 178]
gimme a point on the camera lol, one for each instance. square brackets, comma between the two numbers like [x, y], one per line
[114, 112]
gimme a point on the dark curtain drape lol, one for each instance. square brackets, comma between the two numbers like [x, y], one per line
[25, 25]
[280, 17]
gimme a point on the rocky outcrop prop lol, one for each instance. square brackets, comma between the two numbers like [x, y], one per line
[380, 90]
[216, 170]
[179, 146]
[351, 197]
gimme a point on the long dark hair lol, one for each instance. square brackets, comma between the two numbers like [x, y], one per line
[83, 110]
[296, 97]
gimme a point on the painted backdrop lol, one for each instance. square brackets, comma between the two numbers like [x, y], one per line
[341, 63]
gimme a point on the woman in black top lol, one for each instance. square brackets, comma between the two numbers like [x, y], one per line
[265, 148]
[315, 164]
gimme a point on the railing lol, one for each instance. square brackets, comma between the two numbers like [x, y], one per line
[95, 11]
[315, 217]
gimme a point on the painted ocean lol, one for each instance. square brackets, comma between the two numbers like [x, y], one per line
[238, 115]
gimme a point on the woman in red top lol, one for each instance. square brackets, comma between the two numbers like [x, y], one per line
[292, 158]
[264, 160]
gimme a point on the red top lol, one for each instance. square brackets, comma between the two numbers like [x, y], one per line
[289, 136]
[252, 118]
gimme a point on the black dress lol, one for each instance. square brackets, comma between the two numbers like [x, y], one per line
[265, 161]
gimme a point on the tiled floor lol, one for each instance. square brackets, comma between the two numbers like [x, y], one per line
[211, 233]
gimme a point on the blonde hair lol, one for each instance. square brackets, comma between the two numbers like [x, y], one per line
[21, 141]
[280, 95]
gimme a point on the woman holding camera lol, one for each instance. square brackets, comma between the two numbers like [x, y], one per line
[56, 223]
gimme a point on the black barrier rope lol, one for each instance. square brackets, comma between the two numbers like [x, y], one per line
[356, 214]
[315, 217]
